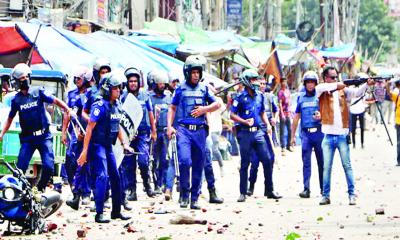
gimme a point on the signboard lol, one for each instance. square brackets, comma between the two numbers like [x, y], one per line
[234, 13]
[101, 12]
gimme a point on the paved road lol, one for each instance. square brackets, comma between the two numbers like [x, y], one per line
[377, 186]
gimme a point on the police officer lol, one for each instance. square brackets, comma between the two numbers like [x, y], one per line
[248, 112]
[141, 143]
[271, 109]
[307, 111]
[35, 134]
[78, 177]
[101, 133]
[101, 67]
[161, 99]
[189, 106]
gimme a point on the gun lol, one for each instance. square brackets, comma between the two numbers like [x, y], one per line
[359, 81]
[175, 155]
[226, 87]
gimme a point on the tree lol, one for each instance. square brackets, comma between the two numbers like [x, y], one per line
[376, 27]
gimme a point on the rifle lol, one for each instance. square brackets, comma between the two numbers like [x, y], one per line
[153, 164]
[226, 87]
[359, 81]
[175, 155]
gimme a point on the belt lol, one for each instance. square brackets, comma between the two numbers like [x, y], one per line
[192, 127]
[311, 130]
[36, 133]
[248, 129]
[161, 129]
[142, 132]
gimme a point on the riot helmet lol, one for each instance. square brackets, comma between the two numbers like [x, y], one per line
[108, 81]
[310, 76]
[84, 73]
[159, 79]
[132, 72]
[193, 62]
[247, 76]
[99, 65]
[20, 71]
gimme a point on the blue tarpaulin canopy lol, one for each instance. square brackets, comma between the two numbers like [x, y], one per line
[64, 50]
[340, 52]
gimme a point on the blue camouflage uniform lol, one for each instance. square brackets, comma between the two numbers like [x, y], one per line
[141, 143]
[191, 135]
[270, 108]
[100, 154]
[252, 138]
[78, 176]
[160, 106]
[311, 135]
[35, 133]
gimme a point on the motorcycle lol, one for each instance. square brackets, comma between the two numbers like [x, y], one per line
[23, 206]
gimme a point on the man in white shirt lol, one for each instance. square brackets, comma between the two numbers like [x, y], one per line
[334, 98]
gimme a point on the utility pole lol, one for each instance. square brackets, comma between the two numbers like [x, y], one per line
[278, 17]
[130, 15]
[298, 13]
[250, 17]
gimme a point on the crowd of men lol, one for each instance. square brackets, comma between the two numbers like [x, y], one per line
[189, 116]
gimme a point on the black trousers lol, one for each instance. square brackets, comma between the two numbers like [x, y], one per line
[361, 119]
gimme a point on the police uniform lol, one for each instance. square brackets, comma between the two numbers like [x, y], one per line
[191, 135]
[100, 153]
[252, 138]
[270, 108]
[35, 133]
[311, 135]
[141, 143]
[160, 106]
[78, 176]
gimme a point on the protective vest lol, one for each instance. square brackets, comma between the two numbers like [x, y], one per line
[32, 113]
[191, 97]
[92, 95]
[326, 108]
[160, 106]
[106, 130]
[144, 97]
[309, 105]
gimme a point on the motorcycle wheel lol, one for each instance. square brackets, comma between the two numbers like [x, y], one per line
[51, 202]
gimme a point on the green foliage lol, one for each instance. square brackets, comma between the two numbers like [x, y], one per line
[375, 27]
[258, 16]
[310, 9]
[292, 236]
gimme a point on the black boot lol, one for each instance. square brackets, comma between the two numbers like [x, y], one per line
[74, 203]
[213, 197]
[184, 203]
[147, 188]
[99, 218]
[126, 205]
[132, 195]
[157, 190]
[119, 216]
[195, 205]
[146, 182]
[250, 191]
